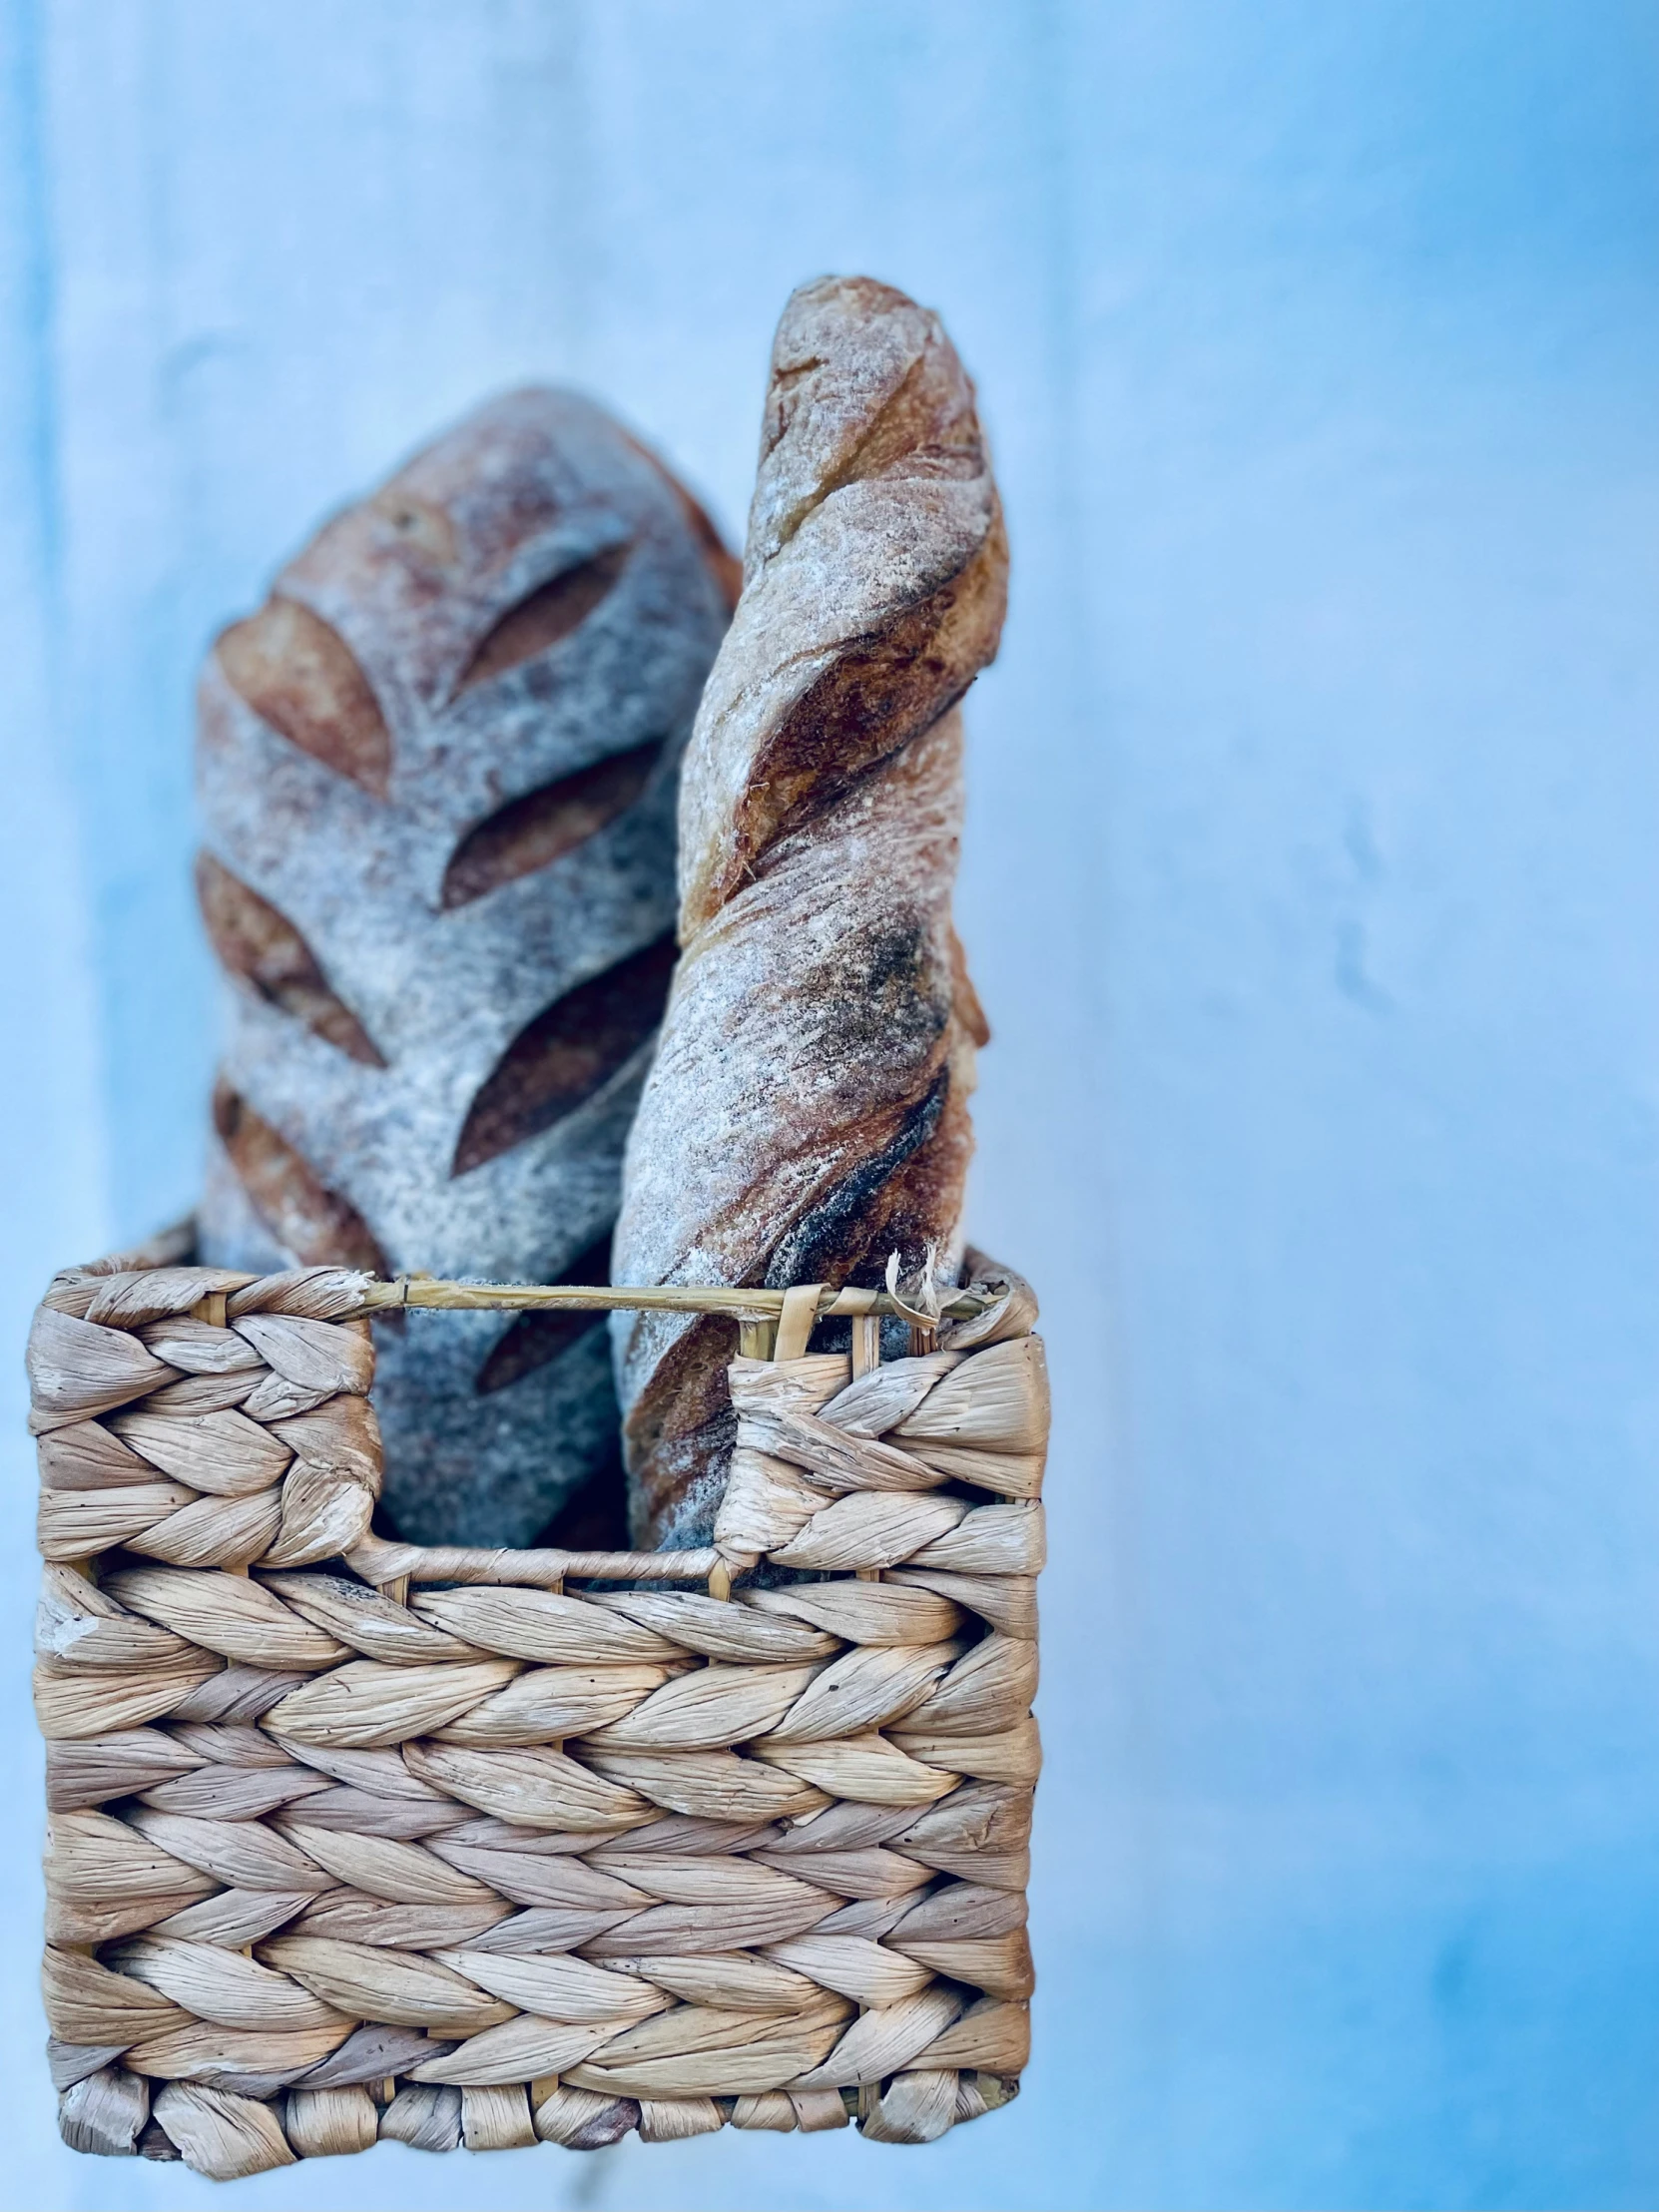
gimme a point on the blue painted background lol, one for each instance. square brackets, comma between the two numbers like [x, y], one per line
[1310, 886]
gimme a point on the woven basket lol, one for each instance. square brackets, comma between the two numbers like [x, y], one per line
[352, 1839]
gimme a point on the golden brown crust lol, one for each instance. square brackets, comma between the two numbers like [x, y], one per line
[316, 1224]
[872, 698]
[807, 1111]
[260, 947]
[298, 674]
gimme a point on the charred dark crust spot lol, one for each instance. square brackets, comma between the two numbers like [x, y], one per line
[534, 831]
[679, 1457]
[300, 675]
[534, 1339]
[922, 1201]
[562, 1057]
[884, 997]
[688, 1394]
[318, 1225]
[551, 612]
[258, 945]
[835, 1232]
[905, 1196]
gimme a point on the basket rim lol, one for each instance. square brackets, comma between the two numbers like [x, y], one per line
[384, 1294]
[764, 1317]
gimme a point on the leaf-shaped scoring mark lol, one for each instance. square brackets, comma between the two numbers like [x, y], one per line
[531, 832]
[302, 677]
[548, 614]
[564, 1055]
[535, 1338]
[316, 1225]
[260, 947]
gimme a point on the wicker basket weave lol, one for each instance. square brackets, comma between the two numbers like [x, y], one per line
[350, 1839]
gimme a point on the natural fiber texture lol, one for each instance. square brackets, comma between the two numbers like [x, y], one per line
[334, 1856]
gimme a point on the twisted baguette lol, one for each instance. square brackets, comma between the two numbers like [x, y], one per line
[806, 1113]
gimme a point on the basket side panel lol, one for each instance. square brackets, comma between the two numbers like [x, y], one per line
[334, 1853]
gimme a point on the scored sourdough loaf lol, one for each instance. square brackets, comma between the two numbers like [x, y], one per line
[807, 1111]
[437, 771]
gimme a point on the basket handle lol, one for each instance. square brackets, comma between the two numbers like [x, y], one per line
[743, 1305]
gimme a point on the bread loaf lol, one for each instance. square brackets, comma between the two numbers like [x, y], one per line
[437, 774]
[806, 1113]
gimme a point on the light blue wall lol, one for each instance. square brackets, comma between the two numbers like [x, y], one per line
[1311, 887]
